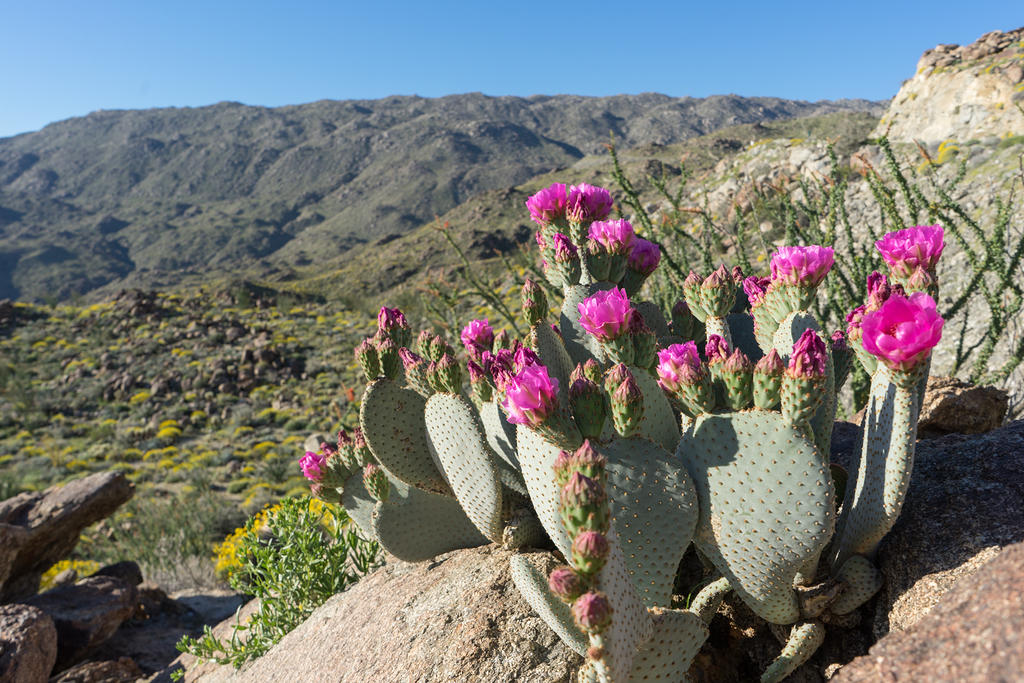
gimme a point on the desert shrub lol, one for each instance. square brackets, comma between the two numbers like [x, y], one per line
[293, 557]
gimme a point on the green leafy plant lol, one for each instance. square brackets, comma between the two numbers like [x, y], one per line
[292, 559]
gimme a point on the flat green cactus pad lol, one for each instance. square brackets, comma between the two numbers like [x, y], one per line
[537, 457]
[578, 343]
[668, 654]
[501, 434]
[786, 336]
[359, 504]
[766, 504]
[862, 580]
[659, 423]
[456, 439]
[391, 418]
[631, 625]
[654, 318]
[741, 328]
[654, 510]
[549, 346]
[804, 639]
[415, 525]
[532, 583]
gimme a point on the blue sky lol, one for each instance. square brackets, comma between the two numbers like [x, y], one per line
[63, 59]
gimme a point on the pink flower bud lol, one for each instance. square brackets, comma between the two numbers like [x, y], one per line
[809, 357]
[770, 364]
[718, 278]
[606, 314]
[593, 612]
[755, 288]
[549, 204]
[616, 237]
[530, 396]
[581, 491]
[588, 203]
[805, 266]
[589, 551]
[838, 340]
[389, 318]
[565, 250]
[645, 256]
[409, 359]
[737, 362]
[854, 320]
[716, 349]
[903, 331]
[917, 247]
[565, 584]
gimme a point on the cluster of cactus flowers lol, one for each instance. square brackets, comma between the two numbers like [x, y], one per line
[620, 438]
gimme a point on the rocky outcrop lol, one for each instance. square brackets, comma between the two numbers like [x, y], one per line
[123, 670]
[46, 526]
[952, 406]
[86, 613]
[961, 93]
[28, 644]
[458, 618]
[975, 634]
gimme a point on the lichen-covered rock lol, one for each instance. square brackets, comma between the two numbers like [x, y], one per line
[28, 644]
[50, 522]
[975, 634]
[458, 618]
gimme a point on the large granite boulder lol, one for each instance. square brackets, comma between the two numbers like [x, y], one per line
[974, 634]
[44, 527]
[28, 644]
[952, 406]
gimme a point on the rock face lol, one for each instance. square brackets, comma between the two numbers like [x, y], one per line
[961, 93]
[965, 503]
[974, 634]
[951, 406]
[458, 618]
[28, 644]
[47, 525]
[86, 613]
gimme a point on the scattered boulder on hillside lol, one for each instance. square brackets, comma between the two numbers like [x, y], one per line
[974, 634]
[28, 644]
[46, 526]
[952, 406]
[122, 670]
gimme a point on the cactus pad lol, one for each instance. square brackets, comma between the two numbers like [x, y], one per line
[359, 504]
[741, 328]
[392, 421]
[501, 434]
[654, 511]
[415, 525]
[709, 599]
[537, 457]
[456, 439]
[804, 639]
[659, 423]
[766, 504]
[631, 625]
[861, 579]
[654, 318]
[553, 356]
[532, 583]
[668, 654]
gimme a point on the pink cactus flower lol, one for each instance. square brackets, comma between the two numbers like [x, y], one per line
[645, 256]
[755, 288]
[809, 357]
[409, 359]
[477, 337]
[312, 465]
[548, 205]
[903, 331]
[917, 247]
[606, 314]
[389, 318]
[671, 362]
[588, 203]
[565, 250]
[805, 266]
[615, 236]
[531, 396]
[716, 349]
[523, 358]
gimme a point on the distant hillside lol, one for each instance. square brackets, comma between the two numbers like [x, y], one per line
[157, 195]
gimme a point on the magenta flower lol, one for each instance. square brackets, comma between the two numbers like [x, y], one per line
[606, 315]
[645, 256]
[917, 247]
[903, 331]
[805, 266]
[476, 373]
[755, 288]
[531, 396]
[716, 349]
[524, 357]
[409, 359]
[312, 465]
[809, 358]
[549, 204]
[854, 319]
[671, 362]
[615, 236]
[588, 203]
[390, 318]
[477, 337]
[565, 250]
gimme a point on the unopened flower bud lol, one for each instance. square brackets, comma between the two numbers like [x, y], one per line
[448, 374]
[503, 340]
[565, 584]
[589, 552]
[391, 324]
[588, 407]
[583, 505]
[717, 293]
[587, 461]
[627, 403]
[376, 482]
[535, 303]
[592, 612]
[387, 352]
[737, 380]
[366, 354]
